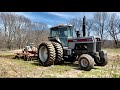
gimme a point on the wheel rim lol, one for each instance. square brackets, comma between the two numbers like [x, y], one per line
[43, 53]
[84, 62]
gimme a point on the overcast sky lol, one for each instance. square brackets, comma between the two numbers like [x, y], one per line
[54, 18]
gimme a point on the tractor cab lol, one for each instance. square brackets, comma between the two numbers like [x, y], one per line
[62, 32]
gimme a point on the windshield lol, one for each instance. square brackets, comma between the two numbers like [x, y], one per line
[61, 32]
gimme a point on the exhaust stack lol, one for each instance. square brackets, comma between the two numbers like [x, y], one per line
[83, 27]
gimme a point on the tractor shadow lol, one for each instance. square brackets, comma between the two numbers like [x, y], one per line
[36, 63]
[74, 65]
[70, 64]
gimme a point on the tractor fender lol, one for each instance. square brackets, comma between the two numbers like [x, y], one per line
[102, 54]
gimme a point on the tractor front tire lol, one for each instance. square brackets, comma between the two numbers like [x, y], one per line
[46, 53]
[102, 60]
[59, 53]
[86, 62]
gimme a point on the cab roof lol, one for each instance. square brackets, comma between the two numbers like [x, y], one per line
[62, 25]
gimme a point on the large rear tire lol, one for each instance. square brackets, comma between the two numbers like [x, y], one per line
[59, 53]
[86, 62]
[46, 53]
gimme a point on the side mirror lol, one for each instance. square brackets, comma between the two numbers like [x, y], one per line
[77, 33]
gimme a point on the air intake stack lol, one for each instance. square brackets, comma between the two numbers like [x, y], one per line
[83, 27]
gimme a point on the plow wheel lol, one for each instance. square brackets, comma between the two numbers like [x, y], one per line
[86, 62]
[26, 58]
[46, 53]
[59, 53]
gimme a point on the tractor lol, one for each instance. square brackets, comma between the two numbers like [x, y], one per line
[65, 45]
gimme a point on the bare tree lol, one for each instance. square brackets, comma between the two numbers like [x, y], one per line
[77, 23]
[16, 31]
[100, 23]
[14, 27]
[8, 21]
[89, 26]
[22, 25]
[3, 19]
[113, 28]
[37, 33]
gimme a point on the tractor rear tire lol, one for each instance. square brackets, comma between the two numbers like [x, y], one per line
[86, 62]
[59, 53]
[46, 53]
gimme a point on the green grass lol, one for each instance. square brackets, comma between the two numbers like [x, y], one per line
[112, 51]
[60, 68]
[6, 53]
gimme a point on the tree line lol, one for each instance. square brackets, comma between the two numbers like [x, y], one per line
[17, 31]
[103, 24]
